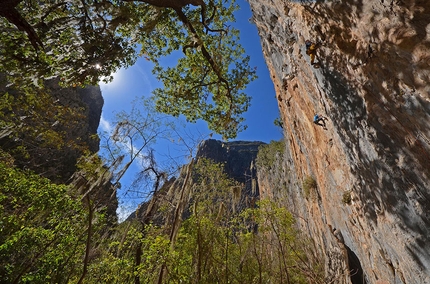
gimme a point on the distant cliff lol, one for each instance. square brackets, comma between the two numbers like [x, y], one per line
[238, 159]
[370, 210]
[54, 130]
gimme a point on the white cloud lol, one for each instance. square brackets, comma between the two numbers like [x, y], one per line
[105, 125]
[124, 210]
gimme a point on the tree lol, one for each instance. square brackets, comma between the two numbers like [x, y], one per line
[83, 41]
[75, 40]
[215, 244]
[53, 233]
[134, 134]
[41, 237]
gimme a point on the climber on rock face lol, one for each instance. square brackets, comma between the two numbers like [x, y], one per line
[320, 120]
[311, 50]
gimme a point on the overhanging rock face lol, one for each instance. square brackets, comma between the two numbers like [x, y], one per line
[372, 84]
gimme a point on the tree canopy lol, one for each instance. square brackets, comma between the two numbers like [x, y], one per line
[85, 41]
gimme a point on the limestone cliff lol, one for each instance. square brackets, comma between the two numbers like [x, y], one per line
[372, 82]
[238, 159]
[77, 127]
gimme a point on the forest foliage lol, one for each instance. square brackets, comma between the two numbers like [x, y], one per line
[41, 229]
[50, 234]
[194, 49]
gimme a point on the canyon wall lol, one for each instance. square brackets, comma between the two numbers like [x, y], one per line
[238, 159]
[369, 212]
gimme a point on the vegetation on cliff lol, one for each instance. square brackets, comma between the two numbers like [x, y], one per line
[269, 153]
[39, 131]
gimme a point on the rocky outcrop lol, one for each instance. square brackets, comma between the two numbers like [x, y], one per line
[238, 159]
[54, 137]
[372, 84]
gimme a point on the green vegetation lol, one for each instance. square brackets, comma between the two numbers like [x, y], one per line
[215, 244]
[309, 186]
[278, 122]
[269, 153]
[41, 229]
[84, 41]
[50, 234]
[346, 197]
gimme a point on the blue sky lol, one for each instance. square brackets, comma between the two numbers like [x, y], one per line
[138, 81]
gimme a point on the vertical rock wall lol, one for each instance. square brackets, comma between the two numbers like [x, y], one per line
[372, 84]
[77, 127]
[87, 101]
[238, 159]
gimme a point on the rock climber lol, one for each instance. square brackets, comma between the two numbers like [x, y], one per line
[320, 120]
[311, 50]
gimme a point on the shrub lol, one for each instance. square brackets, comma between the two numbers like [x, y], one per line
[309, 185]
[346, 198]
[267, 154]
[40, 239]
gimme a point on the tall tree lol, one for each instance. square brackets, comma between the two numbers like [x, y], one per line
[133, 137]
[83, 41]
[41, 236]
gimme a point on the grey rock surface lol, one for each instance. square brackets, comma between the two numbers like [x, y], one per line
[372, 84]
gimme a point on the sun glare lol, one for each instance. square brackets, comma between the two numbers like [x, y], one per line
[115, 83]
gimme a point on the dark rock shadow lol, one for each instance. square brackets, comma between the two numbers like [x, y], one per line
[355, 269]
[399, 121]
[238, 158]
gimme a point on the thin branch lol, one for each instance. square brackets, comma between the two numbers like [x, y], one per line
[84, 6]
[206, 54]
[206, 23]
[14, 17]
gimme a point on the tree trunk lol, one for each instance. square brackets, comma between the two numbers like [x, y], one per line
[177, 217]
[88, 243]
